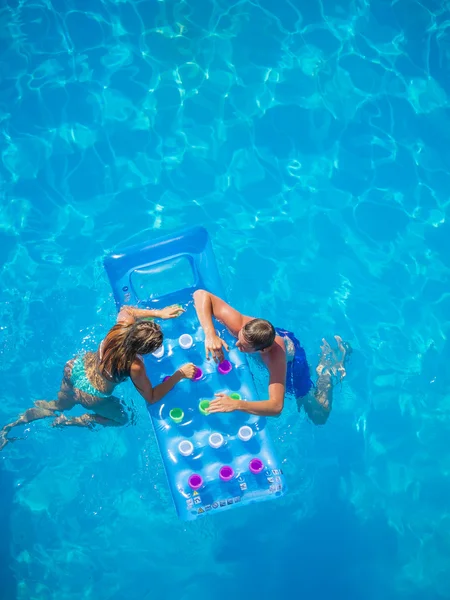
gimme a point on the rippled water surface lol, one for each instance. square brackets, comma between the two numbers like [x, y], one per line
[312, 139]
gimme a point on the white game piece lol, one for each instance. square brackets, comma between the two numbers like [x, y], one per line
[216, 440]
[185, 448]
[245, 433]
[185, 341]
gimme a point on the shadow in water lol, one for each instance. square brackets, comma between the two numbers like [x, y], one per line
[330, 554]
[8, 584]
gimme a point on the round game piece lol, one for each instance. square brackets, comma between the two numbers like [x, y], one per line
[255, 465]
[224, 367]
[245, 433]
[203, 406]
[195, 481]
[185, 341]
[216, 440]
[166, 378]
[235, 396]
[176, 414]
[198, 374]
[226, 473]
[185, 448]
[159, 353]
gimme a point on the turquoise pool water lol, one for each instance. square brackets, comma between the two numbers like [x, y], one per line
[312, 139]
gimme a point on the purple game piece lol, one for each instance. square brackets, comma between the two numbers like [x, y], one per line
[198, 374]
[256, 465]
[195, 481]
[226, 473]
[224, 367]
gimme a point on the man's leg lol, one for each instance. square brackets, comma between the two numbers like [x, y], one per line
[318, 405]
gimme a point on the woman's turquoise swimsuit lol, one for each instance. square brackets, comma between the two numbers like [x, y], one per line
[298, 377]
[79, 379]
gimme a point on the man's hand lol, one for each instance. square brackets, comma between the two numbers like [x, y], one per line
[222, 404]
[170, 312]
[214, 345]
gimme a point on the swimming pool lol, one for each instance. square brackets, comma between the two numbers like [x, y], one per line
[312, 140]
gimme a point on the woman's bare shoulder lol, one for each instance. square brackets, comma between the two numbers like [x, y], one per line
[138, 366]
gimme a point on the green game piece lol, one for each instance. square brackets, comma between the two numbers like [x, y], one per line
[203, 407]
[177, 415]
[235, 396]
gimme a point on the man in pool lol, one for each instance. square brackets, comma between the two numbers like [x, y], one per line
[283, 356]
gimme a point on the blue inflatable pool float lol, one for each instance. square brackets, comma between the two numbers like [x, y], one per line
[213, 462]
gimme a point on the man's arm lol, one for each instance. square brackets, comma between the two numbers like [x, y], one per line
[265, 408]
[208, 306]
[271, 407]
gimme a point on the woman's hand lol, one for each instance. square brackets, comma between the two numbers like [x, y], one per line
[214, 345]
[188, 371]
[222, 404]
[170, 312]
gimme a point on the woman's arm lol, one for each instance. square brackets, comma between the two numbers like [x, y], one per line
[128, 314]
[152, 394]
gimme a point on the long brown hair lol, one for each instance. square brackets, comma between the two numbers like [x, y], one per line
[123, 342]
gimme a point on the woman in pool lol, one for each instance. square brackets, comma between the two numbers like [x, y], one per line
[90, 378]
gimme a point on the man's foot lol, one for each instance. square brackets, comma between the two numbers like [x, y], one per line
[328, 356]
[344, 347]
[325, 347]
[346, 350]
